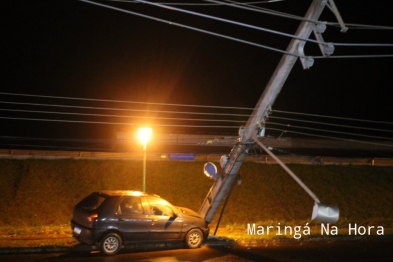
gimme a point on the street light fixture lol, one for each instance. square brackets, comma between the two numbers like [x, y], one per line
[144, 135]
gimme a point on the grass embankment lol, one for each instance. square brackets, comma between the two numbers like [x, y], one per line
[37, 196]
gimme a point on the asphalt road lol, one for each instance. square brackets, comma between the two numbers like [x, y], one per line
[375, 250]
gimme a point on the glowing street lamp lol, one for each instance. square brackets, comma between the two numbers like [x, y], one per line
[144, 135]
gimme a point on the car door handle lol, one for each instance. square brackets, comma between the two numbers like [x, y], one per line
[121, 219]
[155, 220]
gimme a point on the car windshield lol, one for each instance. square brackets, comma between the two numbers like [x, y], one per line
[92, 202]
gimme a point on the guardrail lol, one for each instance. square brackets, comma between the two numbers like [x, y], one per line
[138, 156]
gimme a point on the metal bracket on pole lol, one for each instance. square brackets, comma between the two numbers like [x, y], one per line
[335, 11]
[289, 171]
[321, 212]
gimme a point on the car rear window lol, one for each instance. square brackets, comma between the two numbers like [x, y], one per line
[91, 202]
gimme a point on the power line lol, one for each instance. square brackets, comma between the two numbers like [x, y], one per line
[328, 131]
[120, 109]
[179, 105]
[190, 126]
[230, 22]
[285, 15]
[262, 28]
[241, 40]
[255, 27]
[206, 120]
[125, 102]
[364, 27]
[179, 119]
[111, 123]
[92, 140]
[193, 28]
[353, 56]
[176, 119]
[56, 147]
[245, 6]
[330, 124]
[334, 117]
[196, 4]
[248, 7]
[166, 118]
[194, 119]
[105, 115]
[334, 138]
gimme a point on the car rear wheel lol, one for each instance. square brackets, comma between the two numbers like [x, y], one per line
[194, 238]
[110, 244]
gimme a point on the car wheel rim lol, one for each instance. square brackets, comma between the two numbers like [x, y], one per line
[111, 244]
[194, 239]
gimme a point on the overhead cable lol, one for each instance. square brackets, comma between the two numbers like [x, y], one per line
[352, 56]
[275, 32]
[335, 138]
[56, 147]
[194, 28]
[249, 26]
[330, 124]
[180, 105]
[197, 113]
[365, 27]
[248, 7]
[261, 28]
[328, 131]
[111, 123]
[197, 4]
[92, 140]
[333, 117]
[205, 120]
[193, 119]
[118, 109]
[245, 6]
[105, 115]
[125, 102]
[231, 22]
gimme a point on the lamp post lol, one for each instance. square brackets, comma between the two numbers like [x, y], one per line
[144, 135]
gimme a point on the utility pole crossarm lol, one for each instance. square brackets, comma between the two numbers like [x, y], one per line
[257, 120]
[334, 9]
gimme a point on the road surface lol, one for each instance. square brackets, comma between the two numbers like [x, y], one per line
[374, 250]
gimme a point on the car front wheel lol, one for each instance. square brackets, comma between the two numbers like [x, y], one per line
[110, 244]
[194, 238]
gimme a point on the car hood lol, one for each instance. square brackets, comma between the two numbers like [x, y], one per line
[188, 212]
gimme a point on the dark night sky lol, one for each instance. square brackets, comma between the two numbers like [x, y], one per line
[73, 49]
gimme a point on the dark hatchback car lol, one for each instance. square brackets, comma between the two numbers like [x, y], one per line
[113, 218]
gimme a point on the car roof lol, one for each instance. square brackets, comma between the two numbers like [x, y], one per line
[124, 193]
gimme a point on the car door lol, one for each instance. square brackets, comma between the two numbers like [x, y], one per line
[165, 225]
[132, 220]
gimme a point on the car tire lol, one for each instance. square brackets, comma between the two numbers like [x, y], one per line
[110, 244]
[194, 238]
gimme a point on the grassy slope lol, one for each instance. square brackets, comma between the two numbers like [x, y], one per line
[43, 192]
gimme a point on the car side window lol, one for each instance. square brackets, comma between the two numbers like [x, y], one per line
[130, 206]
[159, 207]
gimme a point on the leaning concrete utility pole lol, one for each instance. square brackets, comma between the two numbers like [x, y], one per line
[256, 122]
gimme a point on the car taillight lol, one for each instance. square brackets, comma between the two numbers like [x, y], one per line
[92, 218]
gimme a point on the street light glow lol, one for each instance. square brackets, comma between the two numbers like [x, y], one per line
[144, 135]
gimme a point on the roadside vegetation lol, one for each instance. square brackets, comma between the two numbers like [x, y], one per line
[37, 196]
